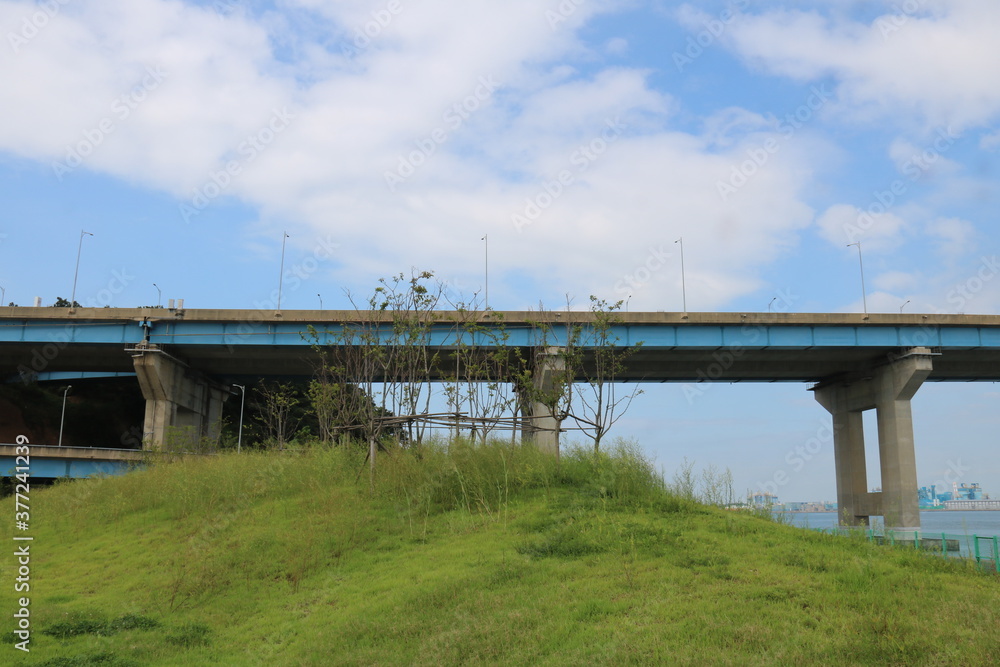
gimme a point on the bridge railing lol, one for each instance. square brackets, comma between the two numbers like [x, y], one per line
[983, 549]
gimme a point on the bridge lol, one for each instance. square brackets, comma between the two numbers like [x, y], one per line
[186, 360]
[49, 462]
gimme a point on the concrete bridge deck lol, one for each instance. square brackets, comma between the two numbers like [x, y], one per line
[728, 347]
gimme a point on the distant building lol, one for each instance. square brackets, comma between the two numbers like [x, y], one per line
[929, 497]
[764, 499]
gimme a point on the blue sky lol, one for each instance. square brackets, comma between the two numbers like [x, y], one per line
[584, 137]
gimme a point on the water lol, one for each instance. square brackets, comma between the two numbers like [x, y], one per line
[957, 524]
[984, 522]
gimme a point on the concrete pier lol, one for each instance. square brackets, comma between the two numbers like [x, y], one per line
[888, 390]
[549, 366]
[181, 403]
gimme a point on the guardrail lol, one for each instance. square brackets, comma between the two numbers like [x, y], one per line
[983, 549]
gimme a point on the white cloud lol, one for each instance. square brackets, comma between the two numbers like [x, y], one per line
[990, 142]
[956, 237]
[356, 114]
[844, 224]
[931, 59]
[898, 282]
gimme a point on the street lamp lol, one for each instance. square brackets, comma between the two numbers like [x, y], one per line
[3, 294]
[486, 238]
[62, 420]
[243, 397]
[864, 292]
[72, 297]
[281, 275]
[771, 303]
[320, 300]
[903, 306]
[159, 295]
[683, 279]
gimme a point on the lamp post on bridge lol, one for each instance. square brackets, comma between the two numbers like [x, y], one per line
[159, 295]
[243, 398]
[281, 271]
[683, 278]
[486, 238]
[62, 419]
[76, 273]
[864, 292]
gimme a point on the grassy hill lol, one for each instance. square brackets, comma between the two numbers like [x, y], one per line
[465, 555]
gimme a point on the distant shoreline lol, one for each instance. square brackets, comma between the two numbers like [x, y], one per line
[935, 509]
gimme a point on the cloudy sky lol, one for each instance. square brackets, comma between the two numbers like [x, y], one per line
[581, 137]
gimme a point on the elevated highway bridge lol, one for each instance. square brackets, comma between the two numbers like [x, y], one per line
[186, 360]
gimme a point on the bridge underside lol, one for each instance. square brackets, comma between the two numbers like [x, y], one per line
[710, 364]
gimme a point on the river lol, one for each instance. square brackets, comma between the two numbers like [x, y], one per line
[972, 522]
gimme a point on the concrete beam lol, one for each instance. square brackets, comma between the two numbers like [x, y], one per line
[888, 390]
[180, 403]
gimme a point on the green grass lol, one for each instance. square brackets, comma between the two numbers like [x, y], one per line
[465, 555]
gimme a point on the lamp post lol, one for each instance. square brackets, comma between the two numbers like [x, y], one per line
[771, 303]
[239, 437]
[903, 306]
[159, 295]
[864, 292]
[3, 295]
[320, 300]
[281, 273]
[79, 249]
[62, 419]
[683, 278]
[486, 238]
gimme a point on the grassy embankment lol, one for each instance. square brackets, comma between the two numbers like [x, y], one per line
[478, 556]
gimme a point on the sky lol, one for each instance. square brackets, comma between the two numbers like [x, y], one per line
[552, 149]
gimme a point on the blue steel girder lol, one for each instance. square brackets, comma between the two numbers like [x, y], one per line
[674, 348]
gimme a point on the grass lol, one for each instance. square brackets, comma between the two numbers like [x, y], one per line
[458, 554]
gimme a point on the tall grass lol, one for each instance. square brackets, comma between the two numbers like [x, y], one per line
[462, 553]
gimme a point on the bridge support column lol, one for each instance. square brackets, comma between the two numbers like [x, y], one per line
[544, 428]
[888, 391]
[180, 403]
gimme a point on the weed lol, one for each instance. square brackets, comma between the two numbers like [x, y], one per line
[190, 635]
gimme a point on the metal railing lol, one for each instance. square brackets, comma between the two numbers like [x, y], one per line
[983, 549]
